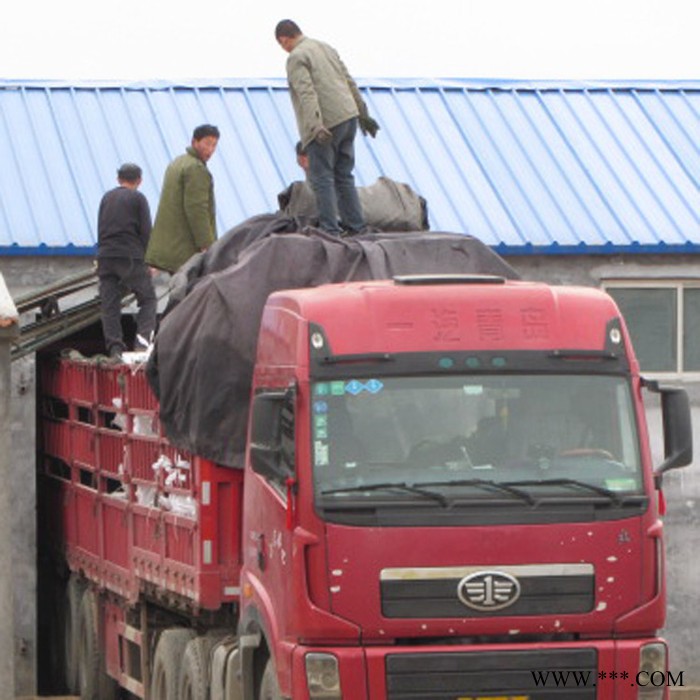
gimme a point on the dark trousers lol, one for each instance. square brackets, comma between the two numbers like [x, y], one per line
[119, 276]
[330, 174]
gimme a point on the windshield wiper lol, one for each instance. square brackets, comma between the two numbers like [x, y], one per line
[615, 497]
[511, 488]
[399, 486]
[488, 484]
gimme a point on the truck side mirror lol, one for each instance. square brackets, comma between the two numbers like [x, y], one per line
[678, 434]
[267, 454]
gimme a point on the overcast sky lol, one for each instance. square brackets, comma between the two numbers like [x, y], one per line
[531, 39]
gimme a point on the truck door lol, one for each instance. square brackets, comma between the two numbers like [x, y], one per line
[269, 492]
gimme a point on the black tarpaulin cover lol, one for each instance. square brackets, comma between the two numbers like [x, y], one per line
[201, 366]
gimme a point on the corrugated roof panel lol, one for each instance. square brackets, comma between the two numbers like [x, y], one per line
[418, 146]
[17, 218]
[82, 172]
[478, 209]
[243, 162]
[526, 167]
[582, 164]
[272, 111]
[526, 155]
[561, 175]
[604, 163]
[487, 219]
[165, 122]
[521, 147]
[502, 161]
[629, 156]
[670, 191]
[53, 213]
[395, 143]
[675, 116]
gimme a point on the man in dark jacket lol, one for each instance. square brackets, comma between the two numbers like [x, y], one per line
[185, 221]
[327, 105]
[123, 230]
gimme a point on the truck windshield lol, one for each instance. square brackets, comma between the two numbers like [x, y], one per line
[484, 437]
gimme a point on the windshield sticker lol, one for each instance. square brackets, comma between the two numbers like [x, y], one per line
[621, 484]
[320, 454]
[337, 388]
[374, 386]
[321, 422]
[355, 387]
[322, 389]
[320, 407]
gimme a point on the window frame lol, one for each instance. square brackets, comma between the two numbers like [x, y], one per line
[679, 285]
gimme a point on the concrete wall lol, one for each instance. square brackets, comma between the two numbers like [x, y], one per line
[23, 490]
[20, 277]
[23, 275]
[682, 487]
[8, 332]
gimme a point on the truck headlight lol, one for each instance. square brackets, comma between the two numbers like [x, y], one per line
[322, 676]
[652, 667]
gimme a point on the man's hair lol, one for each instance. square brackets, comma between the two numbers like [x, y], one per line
[205, 130]
[287, 28]
[129, 172]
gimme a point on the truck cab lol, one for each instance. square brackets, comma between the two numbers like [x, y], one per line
[449, 493]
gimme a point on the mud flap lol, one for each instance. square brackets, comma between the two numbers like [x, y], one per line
[229, 661]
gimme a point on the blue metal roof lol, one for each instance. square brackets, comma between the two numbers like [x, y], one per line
[527, 167]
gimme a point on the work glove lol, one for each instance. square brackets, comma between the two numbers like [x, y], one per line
[369, 126]
[323, 136]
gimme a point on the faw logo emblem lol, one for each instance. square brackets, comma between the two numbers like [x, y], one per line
[488, 590]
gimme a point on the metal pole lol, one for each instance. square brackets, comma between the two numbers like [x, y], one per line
[8, 331]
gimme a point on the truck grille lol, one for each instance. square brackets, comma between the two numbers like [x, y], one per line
[434, 593]
[494, 674]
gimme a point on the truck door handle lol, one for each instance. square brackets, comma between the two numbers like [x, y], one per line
[262, 558]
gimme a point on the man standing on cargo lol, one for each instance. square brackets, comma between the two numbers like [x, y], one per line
[185, 221]
[123, 230]
[327, 105]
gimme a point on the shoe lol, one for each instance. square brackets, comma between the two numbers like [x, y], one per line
[348, 233]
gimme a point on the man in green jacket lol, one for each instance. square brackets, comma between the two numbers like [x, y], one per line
[185, 221]
[327, 105]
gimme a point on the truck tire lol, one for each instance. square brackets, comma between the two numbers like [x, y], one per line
[71, 623]
[194, 672]
[167, 661]
[93, 681]
[269, 689]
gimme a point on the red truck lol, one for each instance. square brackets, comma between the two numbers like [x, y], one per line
[448, 493]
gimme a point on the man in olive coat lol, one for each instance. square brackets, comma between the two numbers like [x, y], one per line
[185, 220]
[327, 105]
